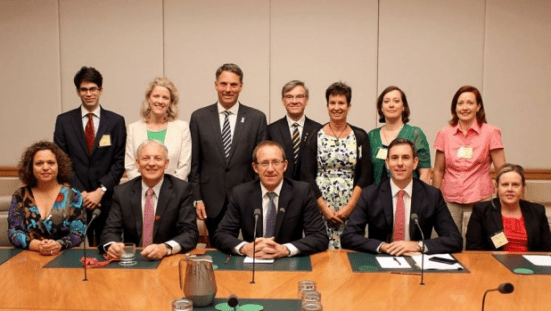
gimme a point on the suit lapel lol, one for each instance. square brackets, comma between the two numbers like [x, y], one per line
[283, 204]
[214, 120]
[136, 205]
[240, 124]
[287, 145]
[163, 199]
[416, 207]
[529, 223]
[79, 129]
[256, 198]
[386, 203]
[102, 128]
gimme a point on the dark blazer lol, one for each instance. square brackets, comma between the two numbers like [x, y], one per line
[375, 210]
[297, 213]
[362, 171]
[211, 176]
[280, 133]
[486, 221]
[105, 165]
[174, 216]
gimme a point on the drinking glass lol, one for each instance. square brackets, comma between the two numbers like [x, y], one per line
[182, 305]
[305, 285]
[128, 255]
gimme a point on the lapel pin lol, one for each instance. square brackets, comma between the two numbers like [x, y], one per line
[157, 218]
[282, 209]
[242, 119]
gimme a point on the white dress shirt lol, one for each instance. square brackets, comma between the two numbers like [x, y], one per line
[95, 117]
[232, 118]
[300, 125]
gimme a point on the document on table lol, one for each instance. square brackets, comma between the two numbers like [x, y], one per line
[539, 260]
[388, 262]
[433, 265]
[250, 260]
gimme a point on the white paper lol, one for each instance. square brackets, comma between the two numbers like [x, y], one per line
[387, 262]
[539, 260]
[433, 265]
[250, 260]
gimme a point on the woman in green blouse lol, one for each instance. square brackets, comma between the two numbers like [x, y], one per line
[393, 109]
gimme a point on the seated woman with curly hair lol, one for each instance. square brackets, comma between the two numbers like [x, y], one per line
[45, 215]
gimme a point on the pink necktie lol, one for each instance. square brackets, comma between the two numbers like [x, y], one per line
[400, 218]
[148, 219]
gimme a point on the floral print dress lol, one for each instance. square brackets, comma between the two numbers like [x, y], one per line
[335, 178]
[65, 223]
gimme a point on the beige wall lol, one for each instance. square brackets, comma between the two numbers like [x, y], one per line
[428, 48]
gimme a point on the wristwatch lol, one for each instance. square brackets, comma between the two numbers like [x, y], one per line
[168, 249]
[102, 187]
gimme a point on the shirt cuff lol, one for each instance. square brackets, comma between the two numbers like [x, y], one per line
[379, 247]
[176, 248]
[426, 250]
[238, 247]
[293, 251]
[106, 245]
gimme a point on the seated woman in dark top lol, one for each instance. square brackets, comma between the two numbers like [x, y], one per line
[45, 215]
[507, 222]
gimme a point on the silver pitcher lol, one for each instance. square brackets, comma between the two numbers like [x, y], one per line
[198, 283]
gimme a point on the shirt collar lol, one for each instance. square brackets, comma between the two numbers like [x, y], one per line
[277, 190]
[300, 122]
[85, 112]
[234, 109]
[394, 188]
[475, 127]
[156, 188]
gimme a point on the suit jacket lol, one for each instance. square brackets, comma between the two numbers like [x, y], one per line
[375, 210]
[486, 221]
[105, 166]
[297, 213]
[174, 216]
[177, 141]
[212, 176]
[280, 133]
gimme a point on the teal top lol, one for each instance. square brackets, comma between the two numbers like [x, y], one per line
[160, 135]
[411, 133]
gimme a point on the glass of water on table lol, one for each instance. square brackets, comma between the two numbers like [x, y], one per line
[128, 257]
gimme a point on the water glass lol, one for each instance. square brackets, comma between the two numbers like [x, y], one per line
[312, 306]
[305, 285]
[311, 296]
[128, 255]
[182, 305]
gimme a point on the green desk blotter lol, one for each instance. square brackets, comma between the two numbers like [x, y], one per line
[519, 265]
[365, 263]
[253, 304]
[71, 259]
[8, 253]
[297, 263]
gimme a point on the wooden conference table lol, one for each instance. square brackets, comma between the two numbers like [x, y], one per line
[26, 285]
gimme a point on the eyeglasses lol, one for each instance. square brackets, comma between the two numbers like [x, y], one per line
[275, 163]
[298, 97]
[92, 90]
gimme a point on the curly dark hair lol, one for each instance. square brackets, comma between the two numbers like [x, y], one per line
[25, 166]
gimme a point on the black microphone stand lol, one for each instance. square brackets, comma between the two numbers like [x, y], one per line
[415, 219]
[95, 214]
[256, 214]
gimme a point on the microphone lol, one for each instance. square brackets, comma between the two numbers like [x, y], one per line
[504, 288]
[415, 219]
[232, 301]
[256, 215]
[95, 215]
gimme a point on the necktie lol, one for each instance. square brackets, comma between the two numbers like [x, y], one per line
[270, 216]
[148, 219]
[226, 134]
[296, 142]
[400, 218]
[89, 133]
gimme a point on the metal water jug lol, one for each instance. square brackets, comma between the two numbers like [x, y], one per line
[198, 282]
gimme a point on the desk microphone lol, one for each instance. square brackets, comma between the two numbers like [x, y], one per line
[256, 215]
[233, 302]
[415, 219]
[95, 215]
[504, 288]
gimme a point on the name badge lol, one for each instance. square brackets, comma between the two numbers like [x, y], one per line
[105, 140]
[499, 239]
[382, 153]
[465, 152]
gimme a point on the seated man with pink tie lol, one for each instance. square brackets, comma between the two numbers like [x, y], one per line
[153, 210]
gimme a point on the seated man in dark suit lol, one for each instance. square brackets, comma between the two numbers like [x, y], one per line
[154, 210]
[386, 208]
[287, 209]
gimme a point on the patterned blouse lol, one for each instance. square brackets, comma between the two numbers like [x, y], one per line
[65, 223]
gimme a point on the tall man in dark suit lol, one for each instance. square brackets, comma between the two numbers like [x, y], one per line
[287, 208]
[387, 207]
[94, 139]
[292, 130]
[223, 137]
[153, 210]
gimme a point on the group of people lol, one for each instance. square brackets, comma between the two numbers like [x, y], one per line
[304, 186]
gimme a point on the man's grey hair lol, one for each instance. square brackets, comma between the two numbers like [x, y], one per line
[151, 142]
[291, 85]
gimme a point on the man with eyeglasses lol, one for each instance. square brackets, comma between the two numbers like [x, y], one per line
[289, 223]
[94, 139]
[223, 136]
[292, 130]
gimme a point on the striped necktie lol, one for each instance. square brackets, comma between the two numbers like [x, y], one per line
[226, 134]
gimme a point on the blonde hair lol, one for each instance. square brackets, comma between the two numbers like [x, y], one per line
[172, 111]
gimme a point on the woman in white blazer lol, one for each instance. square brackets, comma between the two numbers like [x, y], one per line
[159, 121]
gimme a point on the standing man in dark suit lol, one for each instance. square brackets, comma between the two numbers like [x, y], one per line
[292, 130]
[288, 209]
[387, 208]
[223, 137]
[94, 139]
[153, 210]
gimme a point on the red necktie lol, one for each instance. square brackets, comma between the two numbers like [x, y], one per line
[89, 133]
[148, 219]
[400, 218]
